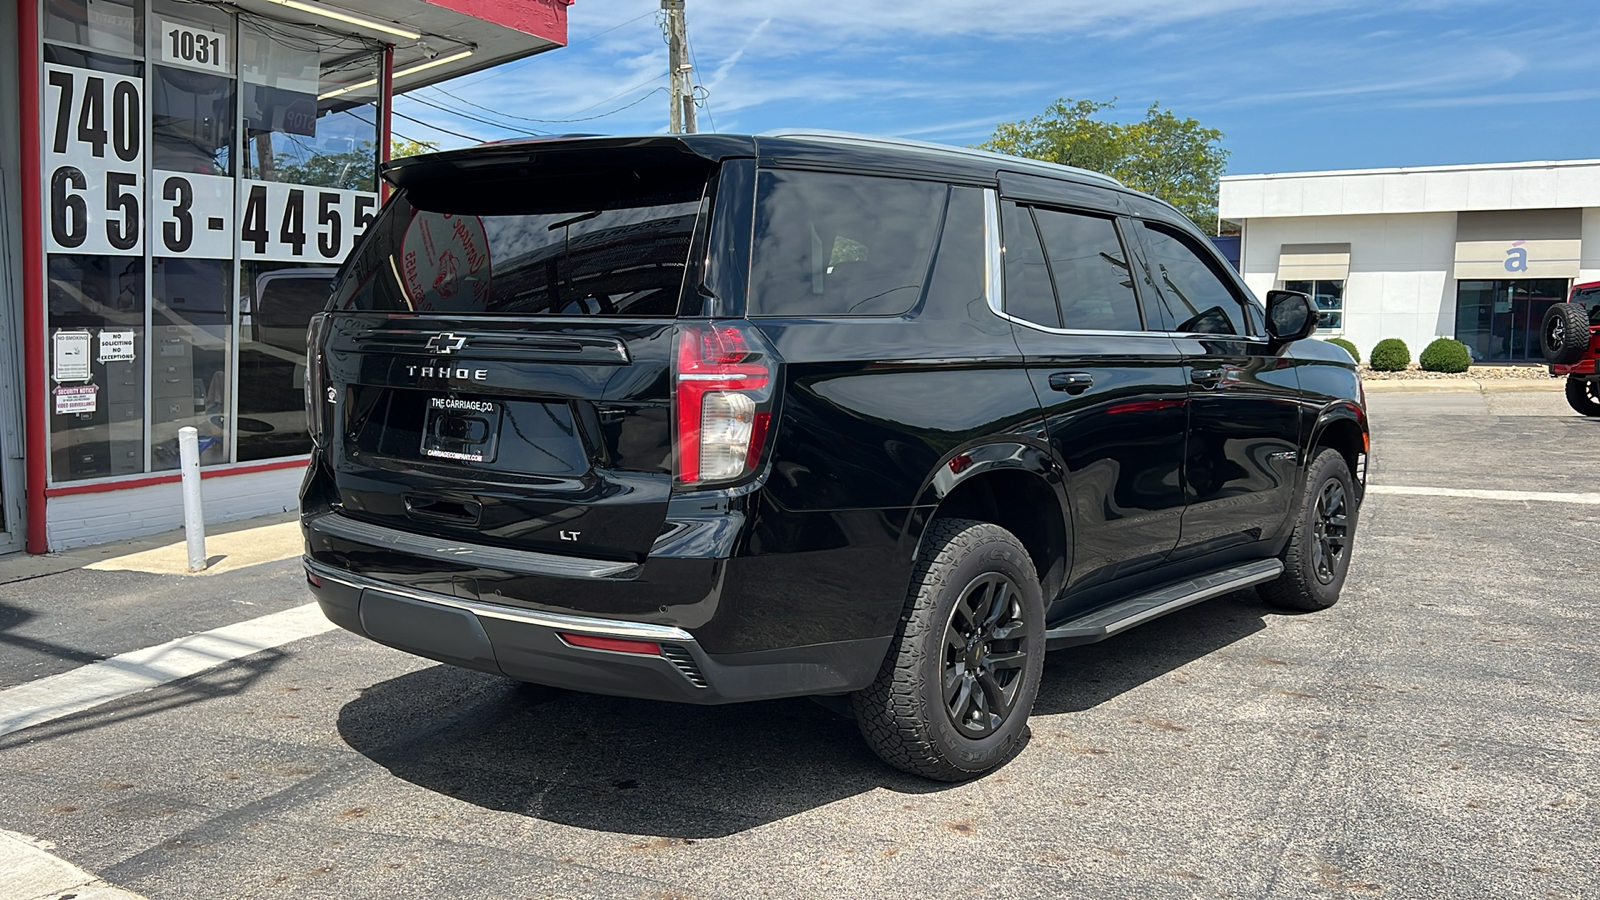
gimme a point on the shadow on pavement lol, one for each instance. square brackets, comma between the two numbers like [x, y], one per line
[681, 771]
[1080, 678]
[12, 616]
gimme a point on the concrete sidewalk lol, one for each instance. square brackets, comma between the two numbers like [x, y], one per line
[229, 547]
[1463, 383]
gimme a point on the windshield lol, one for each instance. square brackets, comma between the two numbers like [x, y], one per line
[525, 246]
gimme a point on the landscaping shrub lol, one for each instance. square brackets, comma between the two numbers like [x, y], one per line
[1445, 355]
[1347, 347]
[1390, 355]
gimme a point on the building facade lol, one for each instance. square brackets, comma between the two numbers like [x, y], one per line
[1477, 253]
[179, 182]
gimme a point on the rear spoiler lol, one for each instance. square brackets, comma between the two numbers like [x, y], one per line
[570, 152]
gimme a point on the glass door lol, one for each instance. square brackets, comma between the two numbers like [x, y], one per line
[1499, 320]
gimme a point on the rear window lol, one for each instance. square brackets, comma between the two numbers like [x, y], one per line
[841, 245]
[612, 243]
[1590, 298]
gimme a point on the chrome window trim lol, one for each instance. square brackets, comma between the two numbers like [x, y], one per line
[557, 621]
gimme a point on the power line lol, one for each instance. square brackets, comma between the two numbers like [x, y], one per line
[707, 102]
[469, 116]
[540, 121]
[437, 128]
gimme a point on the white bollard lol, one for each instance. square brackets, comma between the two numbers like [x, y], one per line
[194, 522]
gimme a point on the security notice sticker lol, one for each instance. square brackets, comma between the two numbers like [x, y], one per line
[71, 356]
[78, 398]
[116, 346]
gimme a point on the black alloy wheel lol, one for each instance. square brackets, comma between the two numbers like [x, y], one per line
[1317, 556]
[952, 698]
[1332, 529]
[986, 649]
[1564, 334]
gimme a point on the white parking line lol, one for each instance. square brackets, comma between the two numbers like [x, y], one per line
[1474, 494]
[71, 692]
[29, 871]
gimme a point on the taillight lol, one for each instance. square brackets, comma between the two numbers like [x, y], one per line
[317, 385]
[722, 400]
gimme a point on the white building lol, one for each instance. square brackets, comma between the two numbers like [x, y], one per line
[1477, 252]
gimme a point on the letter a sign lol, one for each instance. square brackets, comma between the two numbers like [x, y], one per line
[1517, 258]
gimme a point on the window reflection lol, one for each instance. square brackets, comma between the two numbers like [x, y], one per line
[277, 301]
[291, 133]
[189, 345]
[192, 121]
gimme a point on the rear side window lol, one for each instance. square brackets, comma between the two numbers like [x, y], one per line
[1093, 282]
[1196, 295]
[1028, 293]
[616, 244]
[841, 245]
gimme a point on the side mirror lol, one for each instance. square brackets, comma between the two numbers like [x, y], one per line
[1290, 316]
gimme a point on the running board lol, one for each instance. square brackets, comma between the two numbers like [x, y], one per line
[1119, 617]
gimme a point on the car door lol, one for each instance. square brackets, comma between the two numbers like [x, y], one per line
[1241, 466]
[1112, 392]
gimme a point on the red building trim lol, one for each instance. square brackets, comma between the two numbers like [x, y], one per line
[541, 18]
[103, 487]
[385, 119]
[36, 434]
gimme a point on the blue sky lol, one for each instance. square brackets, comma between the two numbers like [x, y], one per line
[1293, 85]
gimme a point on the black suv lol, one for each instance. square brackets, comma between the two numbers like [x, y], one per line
[714, 418]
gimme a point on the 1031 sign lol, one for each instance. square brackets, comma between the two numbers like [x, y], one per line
[291, 222]
[94, 157]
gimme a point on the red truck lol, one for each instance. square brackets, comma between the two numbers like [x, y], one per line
[1570, 339]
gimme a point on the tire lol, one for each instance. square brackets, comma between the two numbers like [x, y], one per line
[1583, 395]
[1564, 334]
[968, 574]
[1318, 556]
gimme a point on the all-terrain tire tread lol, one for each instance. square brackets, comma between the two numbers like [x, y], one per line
[1580, 398]
[1574, 334]
[889, 711]
[1293, 589]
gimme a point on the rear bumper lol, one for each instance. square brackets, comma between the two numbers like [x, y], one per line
[1581, 367]
[528, 645]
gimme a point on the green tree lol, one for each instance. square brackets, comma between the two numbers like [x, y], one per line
[1178, 160]
[399, 147]
[352, 170]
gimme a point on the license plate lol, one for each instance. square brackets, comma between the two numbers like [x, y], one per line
[463, 430]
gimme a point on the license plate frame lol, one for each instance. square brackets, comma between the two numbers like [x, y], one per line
[461, 430]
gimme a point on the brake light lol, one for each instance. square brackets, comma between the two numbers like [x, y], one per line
[318, 404]
[722, 401]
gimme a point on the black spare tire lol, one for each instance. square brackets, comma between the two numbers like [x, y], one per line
[1564, 335]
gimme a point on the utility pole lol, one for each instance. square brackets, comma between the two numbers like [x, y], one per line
[681, 112]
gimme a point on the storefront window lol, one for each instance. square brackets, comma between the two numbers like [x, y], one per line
[190, 336]
[277, 303]
[172, 231]
[1499, 320]
[1329, 298]
[95, 317]
[309, 109]
[109, 25]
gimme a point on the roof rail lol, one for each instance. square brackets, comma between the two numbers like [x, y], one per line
[846, 137]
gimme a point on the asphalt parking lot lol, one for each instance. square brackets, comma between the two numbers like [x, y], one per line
[1437, 733]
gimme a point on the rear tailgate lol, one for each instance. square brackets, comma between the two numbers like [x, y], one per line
[499, 356]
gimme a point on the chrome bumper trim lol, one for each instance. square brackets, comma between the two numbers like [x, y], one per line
[643, 631]
[523, 562]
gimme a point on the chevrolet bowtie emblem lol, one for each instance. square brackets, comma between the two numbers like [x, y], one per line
[446, 342]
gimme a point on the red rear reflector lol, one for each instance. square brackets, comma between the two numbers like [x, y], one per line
[313, 580]
[615, 645]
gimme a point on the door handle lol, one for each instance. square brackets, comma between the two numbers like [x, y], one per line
[1206, 377]
[1071, 382]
